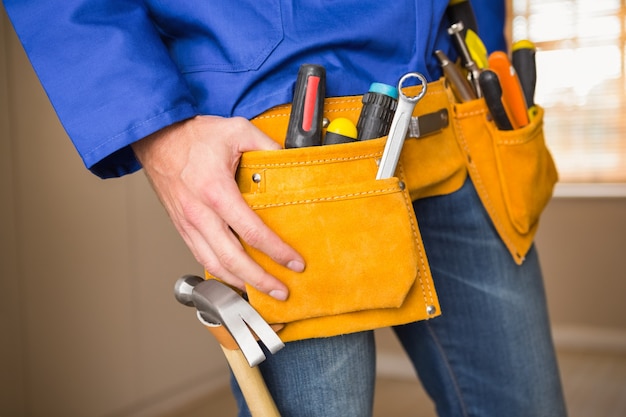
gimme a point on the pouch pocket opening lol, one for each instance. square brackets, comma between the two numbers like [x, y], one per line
[287, 170]
[527, 173]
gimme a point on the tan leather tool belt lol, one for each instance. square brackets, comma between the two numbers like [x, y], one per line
[366, 265]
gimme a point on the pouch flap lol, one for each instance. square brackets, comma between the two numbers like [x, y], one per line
[359, 243]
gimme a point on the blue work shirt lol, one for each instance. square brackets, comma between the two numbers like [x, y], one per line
[117, 71]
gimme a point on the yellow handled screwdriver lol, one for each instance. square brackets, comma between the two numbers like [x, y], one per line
[523, 58]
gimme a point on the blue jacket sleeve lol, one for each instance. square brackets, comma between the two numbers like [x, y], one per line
[107, 73]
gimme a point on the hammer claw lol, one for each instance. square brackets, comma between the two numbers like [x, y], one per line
[263, 330]
[220, 305]
[243, 336]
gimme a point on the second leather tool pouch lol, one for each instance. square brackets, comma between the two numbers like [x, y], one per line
[513, 172]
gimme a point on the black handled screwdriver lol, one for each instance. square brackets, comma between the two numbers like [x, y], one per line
[492, 92]
[307, 109]
[523, 59]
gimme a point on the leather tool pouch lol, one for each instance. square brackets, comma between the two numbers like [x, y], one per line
[513, 172]
[366, 265]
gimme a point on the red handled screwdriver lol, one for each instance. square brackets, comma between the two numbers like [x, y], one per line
[307, 109]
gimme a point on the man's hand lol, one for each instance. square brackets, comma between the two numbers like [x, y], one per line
[191, 166]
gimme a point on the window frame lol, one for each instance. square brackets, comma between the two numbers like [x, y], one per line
[585, 187]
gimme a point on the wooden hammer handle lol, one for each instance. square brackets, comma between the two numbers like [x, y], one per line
[252, 385]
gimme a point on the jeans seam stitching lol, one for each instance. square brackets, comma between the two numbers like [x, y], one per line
[457, 388]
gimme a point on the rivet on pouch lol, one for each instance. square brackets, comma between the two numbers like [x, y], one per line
[377, 161]
[430, 310]
[325, 122]
[402, 185]
[256, 177]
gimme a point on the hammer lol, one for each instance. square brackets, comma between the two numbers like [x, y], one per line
[219, 305]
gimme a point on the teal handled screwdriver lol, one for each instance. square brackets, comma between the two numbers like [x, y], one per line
[379, 106]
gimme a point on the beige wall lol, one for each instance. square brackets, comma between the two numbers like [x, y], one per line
[88, 323]
[11, 358]
[582, 244]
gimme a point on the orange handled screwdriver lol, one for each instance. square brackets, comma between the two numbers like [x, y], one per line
[512, 92]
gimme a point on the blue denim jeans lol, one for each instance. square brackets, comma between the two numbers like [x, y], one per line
[490, 354]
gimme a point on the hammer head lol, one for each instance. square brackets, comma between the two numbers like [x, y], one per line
[218, 304]
[184, 288]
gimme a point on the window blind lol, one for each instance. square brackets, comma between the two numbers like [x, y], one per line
[581, 82]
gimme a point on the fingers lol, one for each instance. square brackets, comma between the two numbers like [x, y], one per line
[191, 166]
[226, 258]
[251, 229]
[240, 217]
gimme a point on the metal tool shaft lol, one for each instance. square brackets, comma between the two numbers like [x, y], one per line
[474, 72]
[399, 127]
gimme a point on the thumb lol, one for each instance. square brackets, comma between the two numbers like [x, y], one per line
[257, 140]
